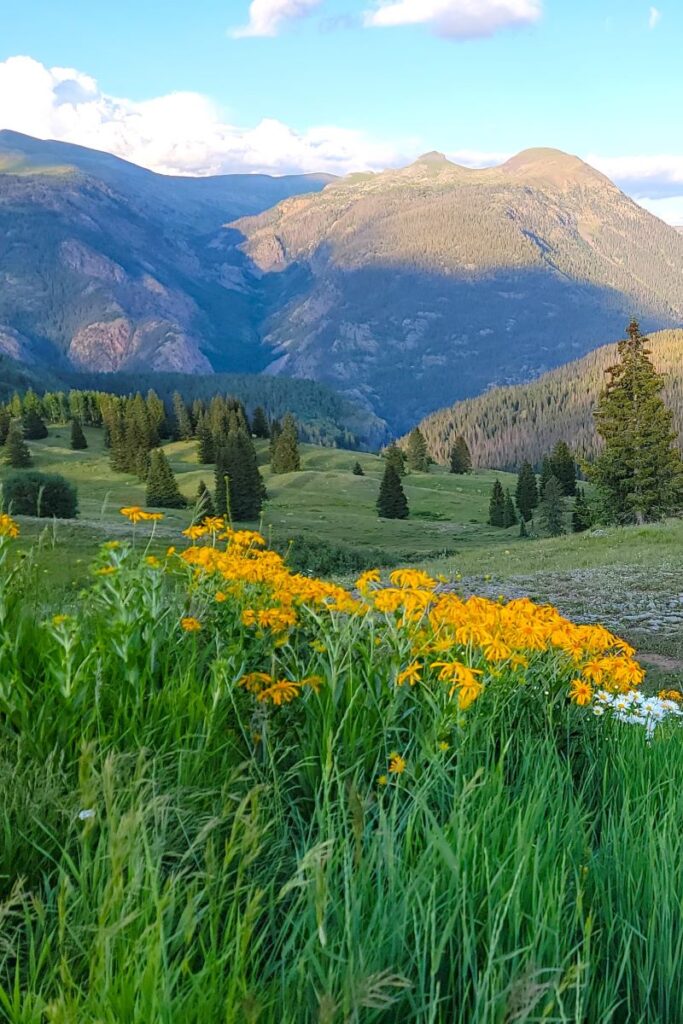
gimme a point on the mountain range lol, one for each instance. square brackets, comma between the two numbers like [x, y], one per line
[404, 290]
[505, 426]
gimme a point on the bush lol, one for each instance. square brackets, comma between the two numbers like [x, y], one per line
[40, 494]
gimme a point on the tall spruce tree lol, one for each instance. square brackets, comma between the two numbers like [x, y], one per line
[286, 458]
[396, 457]
[640, 470]
[17, 454]
[509, 512]
[461, 457]
[358, 469]
[259, 423]
[581, 516]
[527, 491]
[546, 473]
[204, 505]
[162, 487]
[78, 439]
[206, 445]
[497, 505]
[5, 421]
[221, 494]
[246, 488]
[564, 467]
[417, 455]
[392, 502]
[182, 423]
[34, 425]
[552, 511]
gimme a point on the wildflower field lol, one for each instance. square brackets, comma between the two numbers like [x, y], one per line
[229, 792]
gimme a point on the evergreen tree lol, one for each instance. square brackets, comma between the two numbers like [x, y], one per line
[417, 455]
[358, 469]
[581, 516]
[640, 470]
[206, 447]
[509, 512]
[245, 484]
[527, 491]
[461, 458]
[162, 488]
[392, 502]
[546, 473]
[220, 494]
[259, 423]
[118, 454]
[204, 503]
[552, 508]
[182, 423]
[497, 505]
[5, 421]
[34, 426]
[395, 457]
[78, 440]
[523, 532]
[564, 467]
[17, 454]
[286, 457]
[156, 414]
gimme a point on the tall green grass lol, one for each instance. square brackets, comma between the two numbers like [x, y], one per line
[159, 863]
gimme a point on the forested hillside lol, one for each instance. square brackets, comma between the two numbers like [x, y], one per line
[505, 426]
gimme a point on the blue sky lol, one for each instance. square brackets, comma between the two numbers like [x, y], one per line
[338, 84]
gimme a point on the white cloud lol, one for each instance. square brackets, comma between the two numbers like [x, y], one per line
[655, 177]
[266, 17]
[654, 18]
[669, 210]
[456, 19]
[181, 133]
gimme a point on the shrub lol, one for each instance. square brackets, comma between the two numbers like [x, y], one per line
[40, 494]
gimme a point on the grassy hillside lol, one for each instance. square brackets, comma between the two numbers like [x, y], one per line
[417, 286]
[507, 425]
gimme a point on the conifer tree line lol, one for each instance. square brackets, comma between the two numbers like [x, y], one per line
[542, 498]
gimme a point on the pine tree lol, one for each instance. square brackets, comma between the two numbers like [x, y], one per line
[17, 454]
[34, 426]
[527, 491]
[552, 508]
[204, 503]
[245, 484]
[286, 457]
[78, 440]
[564, 467]
[546, 473]
[581, 516]
[259, 423]
[358, 469]
[5, 421]
[523, 532]
[461, 458]
[497, 505]
[640, 470]
[395, 457]
[509, 511]
[156, 414]
[220, 494]
[417, 451]
[392, 502]
[182, 423]
[206, 447]
[162, 488]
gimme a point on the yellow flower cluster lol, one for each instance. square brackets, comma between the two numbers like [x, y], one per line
[268, 690]
[8, 527]
[465, 643]
[136, 514]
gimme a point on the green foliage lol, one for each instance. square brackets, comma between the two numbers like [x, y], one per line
[392, 502]
[509, 511]
[358, 469]
[204, 505]
[221, 492]
[311, 555]
[162, 487]
[206, 444]
[527, 491]
[239, 464]
[182, 421]
[563, 467]
[396, 458]
[17, 454]
[460, 456]
[78, 440]
[286, 457]
[640, 470]
[34, 427]
[5, 423]
[497, 505]
[45, 495]
[259, 423]
[416, 454]
[552, 510]
[582, 516]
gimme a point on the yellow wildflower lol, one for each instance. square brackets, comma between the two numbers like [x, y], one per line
[382, 780]
[581, 692]
[195, 532]
[134, 513]
[671, 695]
[397, 764]
[443, 745]
[106, 570]
[8, 527]
[59, 620]
[411, 674]
[152, 561]
[190, 624]
[255, 682]
[220, 596]
[468, 692]
[280, 693]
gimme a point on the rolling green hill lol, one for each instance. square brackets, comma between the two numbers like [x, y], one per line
[507, 425]
[414, 287]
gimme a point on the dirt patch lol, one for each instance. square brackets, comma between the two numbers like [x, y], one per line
[660, 661]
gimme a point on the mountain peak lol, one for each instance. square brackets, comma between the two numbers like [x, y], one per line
[552, 166]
